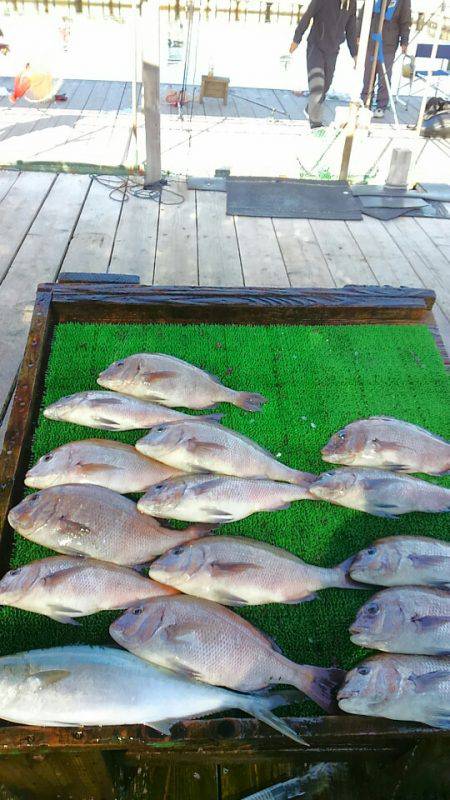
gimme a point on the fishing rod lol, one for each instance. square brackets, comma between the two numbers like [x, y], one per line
[262, 105]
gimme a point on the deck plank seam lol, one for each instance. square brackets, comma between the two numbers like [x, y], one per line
[362, 253]
[281, 252]
[119, 216]
[239, 251]
[74, 227]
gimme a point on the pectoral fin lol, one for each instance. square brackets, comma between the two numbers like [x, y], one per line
[72, 526]
[195, 446]
[206, 486]
[47, 677]
[380, 445]
[419, 561]
[93, 469]
[106, 424]
[58, 578]
[64, 620]
[180, 633]
[151, 377]
[305, 599]
[217, 515]
[218, 568]
[425, 623]
[161, 725]
[430, 680]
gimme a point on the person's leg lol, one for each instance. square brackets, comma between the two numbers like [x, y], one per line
[330, 66]
[315, 61]
[383, 94]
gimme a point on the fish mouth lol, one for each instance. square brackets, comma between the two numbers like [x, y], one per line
[346, 694]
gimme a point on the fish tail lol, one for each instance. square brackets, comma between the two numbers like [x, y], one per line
[305, 479]
[198, 530]
[249, 401]
[261, 708]
[318, 683]
[339, 577]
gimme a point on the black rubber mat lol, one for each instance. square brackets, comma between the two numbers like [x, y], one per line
[433, 210]
[294, 199]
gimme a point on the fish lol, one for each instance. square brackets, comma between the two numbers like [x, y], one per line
[173, 382]
[217, 498]
[381, 493]
[83, 685]
[401, 687]
[402, 561]
[207, 642]
[405, 619]
[64, 587]
[80, 519]
[208, 447]
[388, 443]
[102, 462]
[111, 411]
[238, 571]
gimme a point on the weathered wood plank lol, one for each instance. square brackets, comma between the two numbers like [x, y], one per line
[176, 251]
[379, 247]
[343, 256]
[197, 781]
[219, 262]
[77, 776]
[18, 210]
[135, 243]
[303, 258]
[42, 251]
[262, 263]
[92, 242]
[7, 180]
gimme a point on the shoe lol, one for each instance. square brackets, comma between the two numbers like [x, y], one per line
[316, 125]
[379, 112]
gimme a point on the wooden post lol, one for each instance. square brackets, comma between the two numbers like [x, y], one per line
[357, 83]
[150, 83]
[373, 71]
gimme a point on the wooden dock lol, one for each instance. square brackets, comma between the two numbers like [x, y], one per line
[53, 222]
[259, 132]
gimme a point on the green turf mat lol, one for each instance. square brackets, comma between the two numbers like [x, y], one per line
[318, 379]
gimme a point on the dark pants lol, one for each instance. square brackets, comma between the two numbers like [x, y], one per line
[320, 74]
[380, 90]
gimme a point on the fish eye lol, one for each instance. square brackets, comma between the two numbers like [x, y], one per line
[371, 551]
[341, 434]
[178, 550]
[48, 457]
[137, 611]
[159, 486]
[120, 363]
[160, 428]
[33, 497]
[15, 571]
[363, 670]
[373, 609]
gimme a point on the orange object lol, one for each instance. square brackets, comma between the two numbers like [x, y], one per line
[176, 99]
[21, 85]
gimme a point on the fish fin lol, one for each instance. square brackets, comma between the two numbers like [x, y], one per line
[149, 377]
[231, 568]
[216, 515]
[162, 725]
[341, 576]
[427, 561]
[320, 684]
[425, 623]
[199, 529]
[261, 708]
[72, 526]
[372, 484]
[440, 720]
[381, 445]
[430, 680]
[249, 401]
[304, 479]
[210, 417]
[228, 599]
[91, 469]
[107, 424]
[305, 599]
[396, 467]
[206, 486]
[279, 507]
[273, 644]
[65, 620]
[49, 676]
[180, 632]
[50, 581]
[106, 401]
[195, 446]
[381, 510]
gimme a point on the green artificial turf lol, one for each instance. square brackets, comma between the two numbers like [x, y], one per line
[317, 379]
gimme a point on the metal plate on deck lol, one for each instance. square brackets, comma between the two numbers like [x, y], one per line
[293, 199]
[391, 202]
[217, 184]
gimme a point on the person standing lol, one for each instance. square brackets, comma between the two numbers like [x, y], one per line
[396, 29]
[332, 22]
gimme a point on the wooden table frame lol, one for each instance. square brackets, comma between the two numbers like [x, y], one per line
[119, 299]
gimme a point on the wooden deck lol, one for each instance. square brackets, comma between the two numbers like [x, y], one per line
[259, 132]
[53, 222]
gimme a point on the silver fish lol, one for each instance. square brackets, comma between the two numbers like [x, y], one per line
[404, 560]
[82, 685]
[173, 382]
[401, 687]
[205, 641]
[384, 494]
[389, 443]
[63, 588]
[405, 619]
[206, 447]
[80, 519]
[238, 571]
[102, 462]
[111, 411]
[216, 498]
